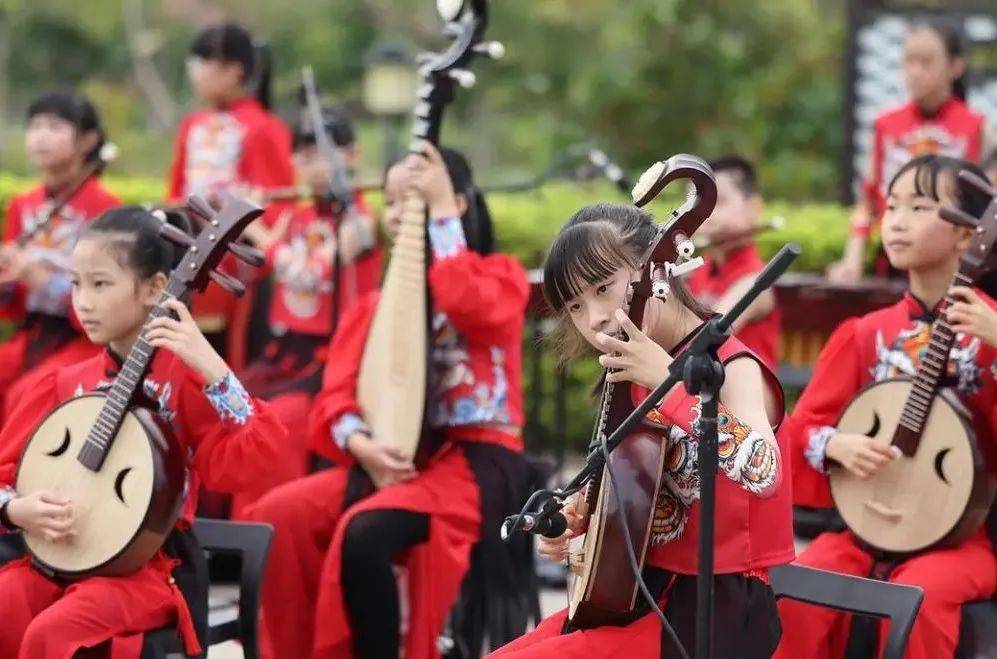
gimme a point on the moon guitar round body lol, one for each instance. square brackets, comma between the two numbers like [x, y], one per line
[124, 510]
[935, 497]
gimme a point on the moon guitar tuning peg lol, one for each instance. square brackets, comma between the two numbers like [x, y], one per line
[958, 217]
[175, 235]
[247, 254]
[229, 283]
[200, 207]
[980, 184]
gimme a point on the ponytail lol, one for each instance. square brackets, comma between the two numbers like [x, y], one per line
[262, 72]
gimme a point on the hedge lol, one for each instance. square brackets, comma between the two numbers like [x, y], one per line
[526, 222]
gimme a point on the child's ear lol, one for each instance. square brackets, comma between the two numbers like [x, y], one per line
[965, 237]
[957, 68]
[153, 288]
[89, 141]
[756, 205]
[461, 200]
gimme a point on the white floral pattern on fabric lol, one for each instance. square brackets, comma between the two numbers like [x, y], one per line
[230, 399]
[446, 235]
[745, 458]
[452, 362]
[816, 451]
[348, 424]
[903, 355]
[214, 149]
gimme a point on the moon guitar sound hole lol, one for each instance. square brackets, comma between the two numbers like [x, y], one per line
[63, 447]
[875, 426]
[119, 483]
[939, 463]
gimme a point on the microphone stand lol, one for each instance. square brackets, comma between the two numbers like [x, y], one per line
[702, 373]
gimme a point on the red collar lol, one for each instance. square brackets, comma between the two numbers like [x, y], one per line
[918, 310]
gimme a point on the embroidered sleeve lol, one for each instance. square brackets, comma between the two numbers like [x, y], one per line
[816, 450]
[348, 424]
[230, 399]
[52, 297]
[446, 235]
[6, 495]
[745, 457]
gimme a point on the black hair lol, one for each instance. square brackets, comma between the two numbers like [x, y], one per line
[741, 170]
[231, 42]
[337, 123]
[74, 108]
[133, 232]
[596, 242]
[477, 219]
[932, 171]
[955, 48]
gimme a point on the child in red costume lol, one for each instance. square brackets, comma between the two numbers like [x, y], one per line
[885, 344]
[64, 137]
[234, 144]
[330, 589]
[586, 277]
[936, 120]
[732, 263]
[309, 294]
[119, 272]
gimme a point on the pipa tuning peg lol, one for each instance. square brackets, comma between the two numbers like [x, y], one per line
[200, 207]
[175, 235]
[247, 254]
[492, 49]
[463, 77]
[229, 283]
[979, 183]
[958, 217]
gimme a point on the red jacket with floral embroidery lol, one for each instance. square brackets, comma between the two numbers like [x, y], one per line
[231, 440]
[752, 531]
[303, 278]
[53, 244]
[905, 132]
[884, 344]
[480, 304]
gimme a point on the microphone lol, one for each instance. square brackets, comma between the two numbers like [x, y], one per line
[550, 526]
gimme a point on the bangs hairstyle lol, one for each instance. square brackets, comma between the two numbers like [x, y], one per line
[955, 48]
[936, 175]
[337, 123]
[740, 170]
[595, 243]
[74, 108]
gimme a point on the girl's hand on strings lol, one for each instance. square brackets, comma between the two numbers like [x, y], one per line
[42, 515]
[384, 464]
[429, 176]
[860, 455]
[639, 360]
[969, 314]
[556, 549]
[184, 339]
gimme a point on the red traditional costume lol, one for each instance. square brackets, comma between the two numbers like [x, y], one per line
[241, 145]
[477, 337]
[48, 337]
[712, 281]
[884, 344]
[230, 438]
[904, 133]
[289, 372]
[753, 533]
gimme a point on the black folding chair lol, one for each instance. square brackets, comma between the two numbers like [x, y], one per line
[856, 595]
[251, 542]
